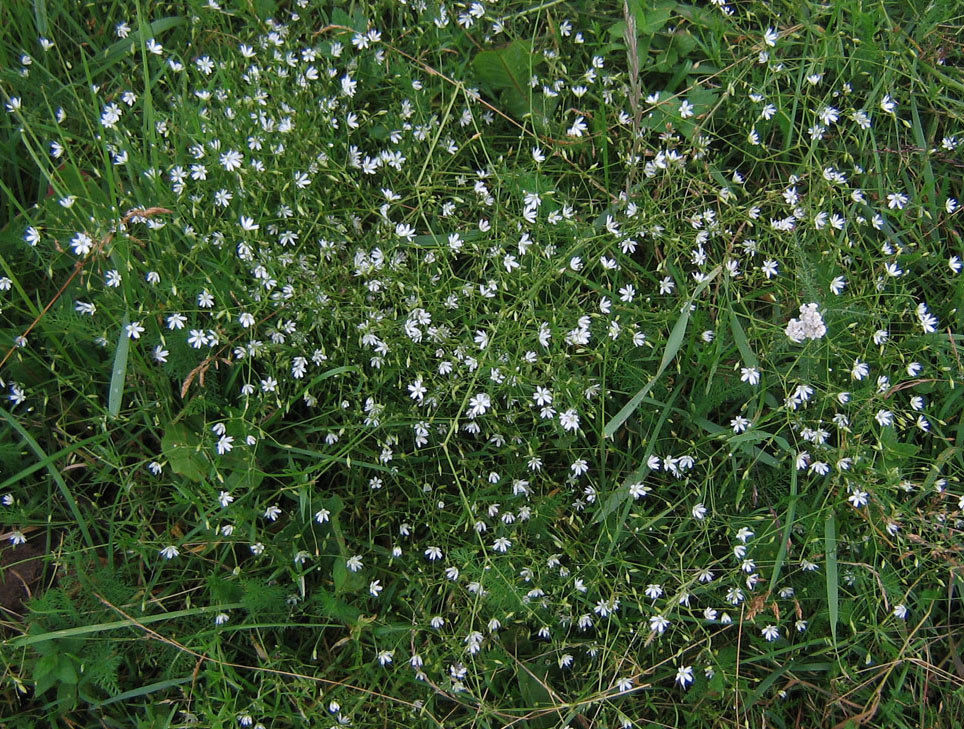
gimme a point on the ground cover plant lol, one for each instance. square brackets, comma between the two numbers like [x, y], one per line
[562, 364]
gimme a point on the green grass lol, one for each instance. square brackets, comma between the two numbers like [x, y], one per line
[385, 364]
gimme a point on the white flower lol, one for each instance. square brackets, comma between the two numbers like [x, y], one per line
[858, 498]
[231, 160]
[810, 325]
[569, 420]
[417, 390]
[750, 375]
[900, 611]
[638, 490]
[860, 370]
[170, 552]
[81, 243]
[542, 396]
[479, 404]
[684, 676]
[658, 624]
[897, 200]
[110, 116]
[770, 632]
[578, 127]
[501, 545]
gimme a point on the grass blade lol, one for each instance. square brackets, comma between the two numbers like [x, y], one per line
[673, 344]
[930, 188]
[53, 457]
[621, 496]
[54, 474]
[34, 638]
[143, 691]
[742, 344]
[40, 17]
[121, 48]
[785, 536]
[830, 545]
[116, 393]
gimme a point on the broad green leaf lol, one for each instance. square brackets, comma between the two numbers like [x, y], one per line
[651, 17]
[531, 684]
[509, 67]
[181, 448]
[654, 19]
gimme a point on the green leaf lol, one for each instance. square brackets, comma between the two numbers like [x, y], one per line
[181, 447]
[331, 607]
[40, 17]
[653, 20]
[531, 685]
[116, 393]
[118, 50]
[45, 673]
[830, 546]
[739, 336]
[144, 690]
[788, 524]
[66, 670]
[621, 495]
[506, 68]
[54, 473]
[651, 17]
[344, 579]
[265, 9]
[673, 344]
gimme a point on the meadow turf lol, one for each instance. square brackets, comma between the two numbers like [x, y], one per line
[481, 364]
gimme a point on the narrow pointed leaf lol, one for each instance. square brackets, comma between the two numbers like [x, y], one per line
[116, 394]
[830, 545]
[673, 344]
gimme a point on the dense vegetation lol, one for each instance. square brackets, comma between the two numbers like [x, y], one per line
[575, 364]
